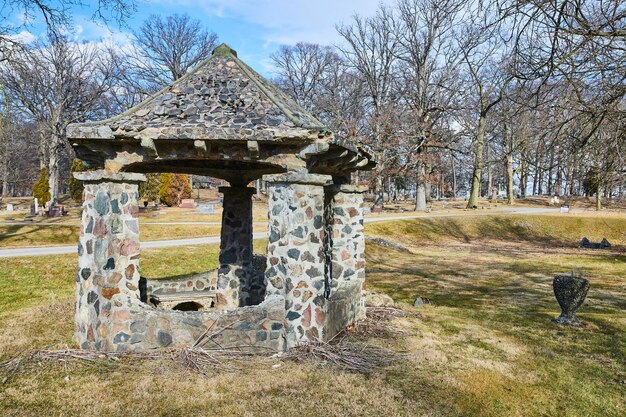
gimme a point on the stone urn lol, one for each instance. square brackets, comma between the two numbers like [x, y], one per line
[570, 292]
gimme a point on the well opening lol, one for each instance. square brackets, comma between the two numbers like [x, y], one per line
[188, 306]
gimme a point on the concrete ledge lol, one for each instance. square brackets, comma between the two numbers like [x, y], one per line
[299, 178]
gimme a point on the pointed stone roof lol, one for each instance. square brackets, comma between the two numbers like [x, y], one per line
[221, 99]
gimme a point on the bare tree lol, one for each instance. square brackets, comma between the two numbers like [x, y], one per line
[167, 48]
[55, 84]
[57, 17]
[371, 49]
[302, 69]
[430, 60]
[487, 78]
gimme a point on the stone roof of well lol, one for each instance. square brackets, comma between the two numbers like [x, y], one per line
[222, 99]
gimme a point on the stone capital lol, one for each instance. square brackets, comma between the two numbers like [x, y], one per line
[102, 175]
[299, 178]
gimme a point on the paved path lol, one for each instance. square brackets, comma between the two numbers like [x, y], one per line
[58, 250]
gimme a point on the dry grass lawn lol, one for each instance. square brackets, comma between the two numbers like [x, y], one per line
[483, 346]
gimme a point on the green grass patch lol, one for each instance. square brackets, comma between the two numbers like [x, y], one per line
[486, 346]
[539, 229]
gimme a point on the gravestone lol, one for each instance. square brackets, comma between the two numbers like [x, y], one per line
[570, 292]
[56, 211]
[564, 208]
[187, 203]
[206, 209]
[587, 244]
[9, 208]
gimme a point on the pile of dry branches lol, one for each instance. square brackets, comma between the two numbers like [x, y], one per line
[340, 352]
[379, 323]
[193, 358]
[347, 356]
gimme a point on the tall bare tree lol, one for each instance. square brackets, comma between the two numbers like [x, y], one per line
[167, 48]
[429, 72]
[302, 69]
[371, 49]
[54, 84]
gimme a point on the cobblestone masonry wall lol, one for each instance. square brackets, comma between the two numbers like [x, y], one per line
[347, 245]
[235, 286]
[204, 281]
[295, 253]
[109, 313]
[108, 257]
[136, 326]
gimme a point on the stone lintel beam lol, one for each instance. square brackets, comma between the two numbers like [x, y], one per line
[298, 178]
[109, 176]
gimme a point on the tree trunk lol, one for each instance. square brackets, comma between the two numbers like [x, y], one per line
[54, 154]
[478, 164]
[489, 173]
[523, 177]
[380, 192]
[420, 188]
[5, 183]
[453, 175]
[509, 178]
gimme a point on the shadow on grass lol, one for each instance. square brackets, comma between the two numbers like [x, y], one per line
[38, 234]
[511, 295]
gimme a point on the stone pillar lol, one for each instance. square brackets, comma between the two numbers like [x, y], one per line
[346, 250]
[235, 286]
[108, 252]
[295, 252]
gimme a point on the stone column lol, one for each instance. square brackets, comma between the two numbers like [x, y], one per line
[235, 286]
[108, 252]
[346, 249]
[295, 252]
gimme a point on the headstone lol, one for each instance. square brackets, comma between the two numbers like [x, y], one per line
[554, 200]
[187, 203]
[377, 209]
[587, 244]
[418, 302]
[206, 209]
[9, 208]
[570, 292]
[33, 209]
[564, 208]
[36, 205]
[56, 211]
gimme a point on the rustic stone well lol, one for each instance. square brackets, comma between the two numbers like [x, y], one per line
[222, 120]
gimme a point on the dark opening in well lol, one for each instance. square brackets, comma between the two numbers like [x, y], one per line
[188, 306]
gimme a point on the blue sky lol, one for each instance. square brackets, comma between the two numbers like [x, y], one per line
[255, 28]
